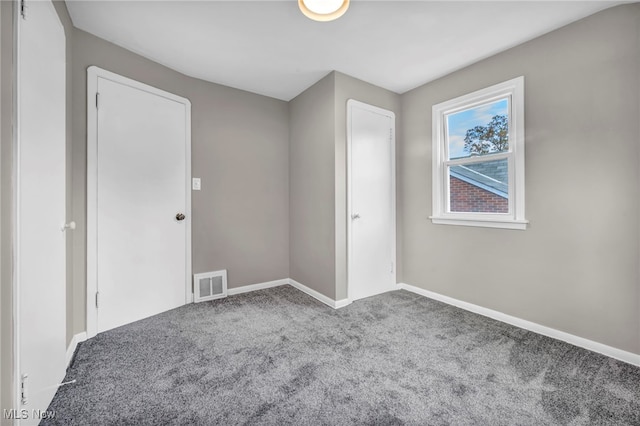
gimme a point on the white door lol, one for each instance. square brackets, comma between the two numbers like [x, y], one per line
[142, 205]
[40, 239]
[371, 171]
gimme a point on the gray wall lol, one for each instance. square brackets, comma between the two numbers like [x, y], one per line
[311, 195]
[576, 268]
[346, 88]
[239, 149]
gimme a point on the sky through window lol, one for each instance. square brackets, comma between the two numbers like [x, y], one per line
[459, 122]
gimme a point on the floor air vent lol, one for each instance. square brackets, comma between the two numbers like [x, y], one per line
[209, 286]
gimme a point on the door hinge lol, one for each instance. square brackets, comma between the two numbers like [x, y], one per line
[97, 293]
[391, 267]
[23, 389]
[23, 9]
[97, 100]
[391, 134]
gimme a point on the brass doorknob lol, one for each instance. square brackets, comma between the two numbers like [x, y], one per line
[180, 216]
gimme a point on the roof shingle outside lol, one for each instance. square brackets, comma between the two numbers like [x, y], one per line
[489, 175]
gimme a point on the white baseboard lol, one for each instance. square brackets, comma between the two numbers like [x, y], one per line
[341, 303]
[71, 349]
[335, 304]
[603, 349]
[254, 287]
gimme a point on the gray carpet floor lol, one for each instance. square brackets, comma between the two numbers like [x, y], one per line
[278, 357]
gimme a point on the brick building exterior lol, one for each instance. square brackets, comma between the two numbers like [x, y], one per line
[465, 197]
[479, 187]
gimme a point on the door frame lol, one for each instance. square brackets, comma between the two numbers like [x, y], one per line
[93, 74]
[352, 103]
[15, 210]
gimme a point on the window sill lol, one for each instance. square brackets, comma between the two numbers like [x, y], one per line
[484, 223]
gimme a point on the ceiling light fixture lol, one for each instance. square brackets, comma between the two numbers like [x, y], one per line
[323, 10]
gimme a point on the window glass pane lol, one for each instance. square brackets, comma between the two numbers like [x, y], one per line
[479, 187]
[479, 130]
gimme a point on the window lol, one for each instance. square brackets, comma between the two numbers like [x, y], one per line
[478, 158]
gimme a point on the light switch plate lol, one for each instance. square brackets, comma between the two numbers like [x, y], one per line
[196, 184]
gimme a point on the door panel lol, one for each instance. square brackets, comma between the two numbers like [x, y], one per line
[141, 187]
[41, 192]
[372, 229]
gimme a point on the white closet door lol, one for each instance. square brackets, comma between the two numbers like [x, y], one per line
[41, 287]
[141, 193]
[372, 200]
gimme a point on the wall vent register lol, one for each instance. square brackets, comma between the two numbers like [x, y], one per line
[209, 286]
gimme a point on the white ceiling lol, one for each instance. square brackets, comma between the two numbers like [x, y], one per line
[270, 48]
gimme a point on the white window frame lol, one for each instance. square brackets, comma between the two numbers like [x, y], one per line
[514, 219]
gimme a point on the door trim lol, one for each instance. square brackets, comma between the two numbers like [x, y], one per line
[15, 210]
[93, 74]
[352, 103]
